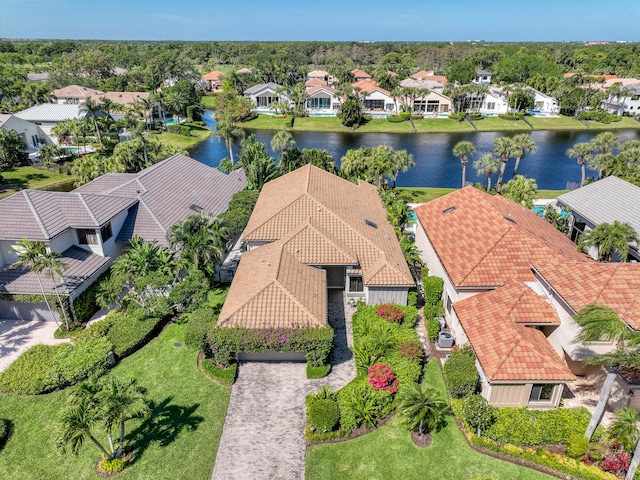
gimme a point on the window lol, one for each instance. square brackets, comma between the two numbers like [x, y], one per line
[318, 103]
[87, 237]
[374, 104]
[491, 105]
[448, 302]
[389, 106]
[355, 284]
[106, 233]
[444, 107]
[542, 392]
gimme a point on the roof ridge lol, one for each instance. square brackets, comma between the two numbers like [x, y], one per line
[25, 194]
[324, 234]
[507, 355]
[515, 303]
[244, 304]
[140, 200]
[481, 261]
[86, 206]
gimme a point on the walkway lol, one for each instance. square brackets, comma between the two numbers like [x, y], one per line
[263, 435]
[16, 336]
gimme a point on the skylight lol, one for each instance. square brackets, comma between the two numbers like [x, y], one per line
[450, 209]
[371, 224]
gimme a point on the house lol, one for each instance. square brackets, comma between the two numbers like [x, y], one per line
[421, 83]
[264, 94]
[490, 103]
[91, 225]
[360, 75]
[244, 70]
[376, 98]
[605, 201]
[73, 94]
[432, 102]
[312, 221]
[48, 115]
[486, 249]
[482, 77]
[122, 101]
[322, 99]
[319, 75]
[628, 104]
[213, 80]
[428, 76]
[31, 134]
[545, 103]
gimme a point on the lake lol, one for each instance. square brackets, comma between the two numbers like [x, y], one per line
[435, 164]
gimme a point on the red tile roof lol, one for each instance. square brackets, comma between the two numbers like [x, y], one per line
[315, 82]
[360, 73]
[213, 76]
[369, 86]
[428, 75]
[506, 349]
[614, 284]
[488, 241]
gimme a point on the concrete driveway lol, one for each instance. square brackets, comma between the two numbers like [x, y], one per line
[16, 336]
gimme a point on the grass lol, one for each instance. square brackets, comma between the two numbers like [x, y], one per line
[198, 134]
[497, 124]
[557, 123]
[426, 194]
[182, 436]
[207, 101]
[624, 123]
[389, 452]
[546, 194]
[29, 177]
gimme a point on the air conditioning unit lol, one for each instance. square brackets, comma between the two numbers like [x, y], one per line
[445, 340]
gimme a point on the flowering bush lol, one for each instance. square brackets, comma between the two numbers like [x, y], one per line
[390, 312]
[411, 350]
[381, 377]
[616, 463]
[476, 413]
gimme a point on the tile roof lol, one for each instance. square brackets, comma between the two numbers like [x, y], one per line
[213, 76]
[122, 98]
[315, 82]
[614, 284]
[317, 73]
[75, 91]
[44, 214]
[488, 241]
[53, 112]
[320, 88]
[344, 218]
[360, 73]
[244, 70]
[428, 84]
[273, 289]
[506, 349]
[81, 264]
[369, 86]
[605, 201]
[428, 75]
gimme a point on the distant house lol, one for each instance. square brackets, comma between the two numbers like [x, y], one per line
[628, 104]
[322, 99]
[376, 98]
[91, 225]
[38, 77]
[48, 115]
[360, 75]
[31, 134]
[428, 76]
[482, 77]
[73, 94]
[420, 83]
[319, 75]
[244, 70]
[433, 104]
[264, 94]
[213, 80]
[545, 103]
[490, 103]
[605, 201]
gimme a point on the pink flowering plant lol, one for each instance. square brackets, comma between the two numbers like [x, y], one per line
[390, 312]
[381, 377]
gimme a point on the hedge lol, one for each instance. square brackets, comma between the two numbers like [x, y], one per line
[433, 288]
[225, 343]
[524, 427]
[433, 328]
[200, 322]
[224, 376]
[460, 374]
[130, 330]
[511, 116]
[460, 116]
[362, 405]
[599, 116]
[85, 304]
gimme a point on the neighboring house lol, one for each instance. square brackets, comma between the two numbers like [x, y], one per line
[545, 103]
[244, 70]
[73, 94]
[213, 80]
[319, 75]
[428, 76]
[628, 104]
[48, 115]
[31, 134]
[122, 101]
[315, 82]
[482, 77]
[91, 225]
[311, 231]
[360, 75]
[322, 100]
[420, 83]
[264, 94]
[376, 98]
[604, 201]
[484, 248]
[490, 103]
[38, 77]
[432, 103]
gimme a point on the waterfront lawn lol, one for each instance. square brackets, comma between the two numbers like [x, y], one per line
[441, 125]
[207, 101]
[497, 124]
[182, 436]
[389, 452]
[198, 134]
[425, 194]
[29, 177]
[556, 123]
[547, 194]
[624, 123]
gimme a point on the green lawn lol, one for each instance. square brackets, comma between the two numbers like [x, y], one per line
[198, 134]
[426, 194]
[389, 452]
[625, 122]
[556, 123]
[29, 177]
[207, 101]
[181, 437]
[550, 193]
[497, 124]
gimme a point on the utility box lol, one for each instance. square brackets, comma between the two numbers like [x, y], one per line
[445, 340]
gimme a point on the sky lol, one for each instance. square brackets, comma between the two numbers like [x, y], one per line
[326, 20]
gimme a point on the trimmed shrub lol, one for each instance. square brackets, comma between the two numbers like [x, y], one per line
[361, 405]
[433, 287]
[194, 113]
[112, 466]
[475, 116]
[403, 117]
[324, 414]
[412, 298]
[460, 374]
[85, 304]
[325, 392]
[200, 322]
[433, 328]
[521, 426]
[460, 116]
[131, 330]
[224, 376]
[317, 436]
[577, 445]
[27, 375]
[599, 116]
[381, 377]
[390, 312]
[475, 412]
[512, 116]
[5, 430]
[315, 343]
[76, 362]
[318, 372]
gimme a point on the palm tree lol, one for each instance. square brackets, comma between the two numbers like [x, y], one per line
[462, 150]
[318, 157]
[281, 141]
[624, 428]
[51, 261]
[523, 144]
[402, 161]
[29, 252]
[421, 408]
[229, 133]
[583, 152]
[487, 165]
[505, 149]
[610, 238]
[521, 190]
[93, 108]
[604, 143]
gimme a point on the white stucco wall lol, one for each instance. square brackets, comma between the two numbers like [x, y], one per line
[375, 295]
[109, 248]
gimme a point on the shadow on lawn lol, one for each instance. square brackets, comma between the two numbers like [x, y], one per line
[164, 426]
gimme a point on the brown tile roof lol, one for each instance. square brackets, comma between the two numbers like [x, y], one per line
[369, 86]
[488, 241]
[614, 284]
[315, 82]
[44, 214]
[317, 73]
[213, 76]
[122, 98]
[75, 91]
[506, 349]
[243, 70]
[272, 289]
[345, 214]
[318, 88]
[428, 75]
[360, 73]
[81, 264]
